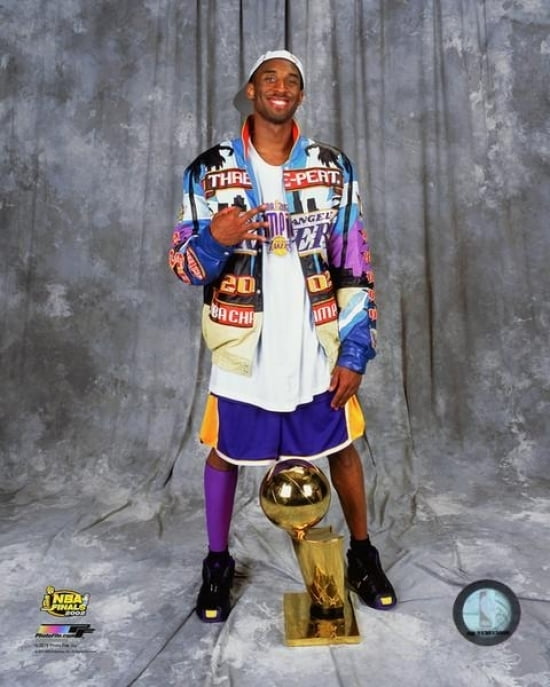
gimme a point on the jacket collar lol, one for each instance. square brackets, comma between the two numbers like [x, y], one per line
[246, 136]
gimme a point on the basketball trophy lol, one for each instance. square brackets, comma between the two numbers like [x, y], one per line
[295, 496]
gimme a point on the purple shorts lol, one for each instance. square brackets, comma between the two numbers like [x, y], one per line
[242, 433]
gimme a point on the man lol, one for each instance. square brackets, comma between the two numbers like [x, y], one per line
[271, 227]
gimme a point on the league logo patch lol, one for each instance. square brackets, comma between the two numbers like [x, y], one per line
[486, 612]
[63, 603]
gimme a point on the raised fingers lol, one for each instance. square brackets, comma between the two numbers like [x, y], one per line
[249, 214]
[252, 225]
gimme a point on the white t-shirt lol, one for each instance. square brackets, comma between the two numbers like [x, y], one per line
[290, 366]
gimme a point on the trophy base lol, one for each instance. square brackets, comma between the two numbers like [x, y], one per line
[303, 630]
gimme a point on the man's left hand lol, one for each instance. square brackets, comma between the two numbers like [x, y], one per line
[344, 383]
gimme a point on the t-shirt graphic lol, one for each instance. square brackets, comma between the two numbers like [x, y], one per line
[279, 230]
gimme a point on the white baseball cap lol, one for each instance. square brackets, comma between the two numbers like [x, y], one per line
[241, 102]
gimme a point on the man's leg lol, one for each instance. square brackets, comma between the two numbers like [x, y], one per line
[220, 482]
[365, 573]
[346, 472]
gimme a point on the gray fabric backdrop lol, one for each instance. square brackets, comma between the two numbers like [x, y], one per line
[443, 106]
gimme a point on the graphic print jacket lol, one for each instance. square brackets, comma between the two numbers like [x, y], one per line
[327, 231]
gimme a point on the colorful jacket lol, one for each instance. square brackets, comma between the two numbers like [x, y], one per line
[328, 232]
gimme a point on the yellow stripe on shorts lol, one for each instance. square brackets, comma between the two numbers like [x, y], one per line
[209, 430]
[355, 419]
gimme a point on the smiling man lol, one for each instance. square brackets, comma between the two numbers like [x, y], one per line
[271, 227]
[276, 90]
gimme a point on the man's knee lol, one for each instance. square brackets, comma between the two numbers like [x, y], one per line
[218, 463]
[345, 457]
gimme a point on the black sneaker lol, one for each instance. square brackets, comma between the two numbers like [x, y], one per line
[366, 577]
[213, 602]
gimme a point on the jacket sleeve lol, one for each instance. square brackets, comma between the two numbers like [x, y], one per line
[195, 256]
[353, 278]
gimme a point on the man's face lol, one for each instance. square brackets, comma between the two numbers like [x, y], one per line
[275, 91]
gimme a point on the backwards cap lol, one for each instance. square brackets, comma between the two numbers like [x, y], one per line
[241, 102]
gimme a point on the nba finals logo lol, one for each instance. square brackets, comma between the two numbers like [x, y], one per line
[63, 603]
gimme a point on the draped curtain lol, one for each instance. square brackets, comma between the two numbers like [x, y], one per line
[442, 106]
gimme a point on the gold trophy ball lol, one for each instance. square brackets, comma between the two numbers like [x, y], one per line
[295, 495]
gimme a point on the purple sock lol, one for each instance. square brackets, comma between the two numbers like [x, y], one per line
[219, 494]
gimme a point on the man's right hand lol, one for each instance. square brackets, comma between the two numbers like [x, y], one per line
[232, 225]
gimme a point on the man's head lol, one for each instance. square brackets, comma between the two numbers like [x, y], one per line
[275, 87]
